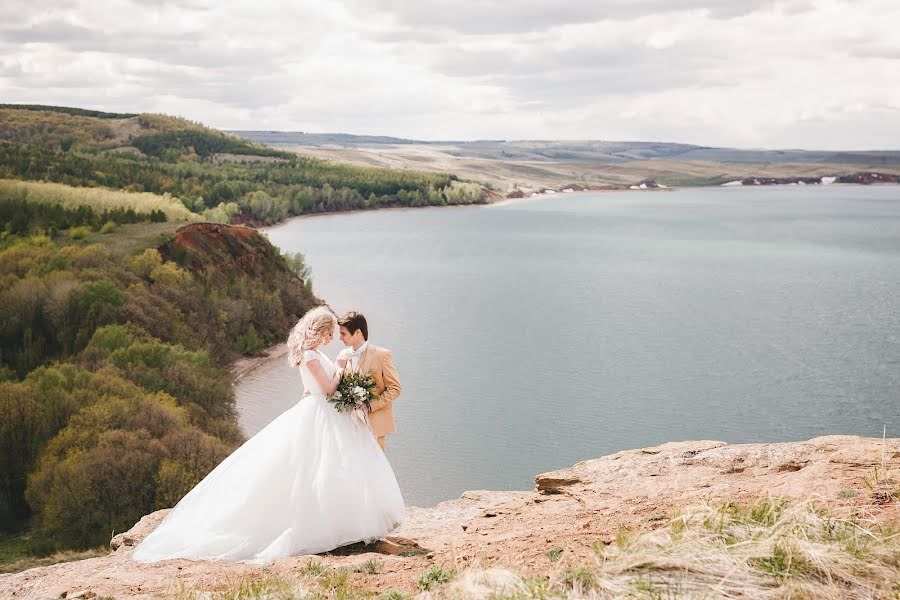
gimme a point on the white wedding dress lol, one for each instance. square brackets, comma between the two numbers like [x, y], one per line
[312, 480]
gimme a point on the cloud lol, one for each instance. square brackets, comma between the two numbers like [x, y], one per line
[485, 17]
[714, 72]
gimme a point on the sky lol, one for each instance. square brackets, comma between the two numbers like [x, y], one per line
[738, 73]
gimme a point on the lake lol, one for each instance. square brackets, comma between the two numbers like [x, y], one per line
[533, 334]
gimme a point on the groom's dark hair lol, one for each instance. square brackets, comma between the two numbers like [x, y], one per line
[353, 321]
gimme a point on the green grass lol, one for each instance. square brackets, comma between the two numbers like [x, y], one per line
[12, 548]
[15, 554]
[554, 554]
[133, 238]
[370, 567]
[313, 567]
[434, 577]
[79, 233]
[883, 485]
[784, 561]
[580, 579]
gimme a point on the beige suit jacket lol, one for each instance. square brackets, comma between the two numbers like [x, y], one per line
[379, 363]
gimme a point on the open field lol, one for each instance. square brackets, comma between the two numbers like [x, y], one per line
[508, 175]
[99, 199]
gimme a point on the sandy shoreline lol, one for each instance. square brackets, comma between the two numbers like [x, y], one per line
[332, 213]
[503, 201]
[245, 365]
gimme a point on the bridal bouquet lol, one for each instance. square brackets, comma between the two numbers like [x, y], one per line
[354, 391]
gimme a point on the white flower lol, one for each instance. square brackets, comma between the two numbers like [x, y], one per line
[359, 391]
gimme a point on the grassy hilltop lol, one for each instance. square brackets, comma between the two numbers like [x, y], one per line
[218, 176]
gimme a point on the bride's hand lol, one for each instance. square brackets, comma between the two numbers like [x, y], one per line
[341, 362]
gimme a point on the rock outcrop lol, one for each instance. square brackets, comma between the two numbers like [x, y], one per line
[569, 509]
[206, 248]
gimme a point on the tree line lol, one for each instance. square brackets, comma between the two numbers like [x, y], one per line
[80, 112]
[297, 186]
[24, 217]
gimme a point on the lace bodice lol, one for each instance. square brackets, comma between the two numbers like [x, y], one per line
[309, 382]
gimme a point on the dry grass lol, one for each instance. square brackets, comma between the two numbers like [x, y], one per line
[99, 199]
[257, 588]
[134, 238]
[763, 551]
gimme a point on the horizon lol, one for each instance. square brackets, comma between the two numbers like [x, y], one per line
[485, 140]
[577, 140]
[817, 75]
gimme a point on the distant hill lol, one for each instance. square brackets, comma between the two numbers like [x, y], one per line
[319, 139]
[81, 112]
[587, 151]
[160, 136]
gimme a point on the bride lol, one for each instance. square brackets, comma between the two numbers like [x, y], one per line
[312, 480]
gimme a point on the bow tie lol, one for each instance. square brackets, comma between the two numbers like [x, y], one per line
[356, 353]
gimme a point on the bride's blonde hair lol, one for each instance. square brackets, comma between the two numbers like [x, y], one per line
[309, 332]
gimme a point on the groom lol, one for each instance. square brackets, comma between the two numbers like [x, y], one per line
[367, 359]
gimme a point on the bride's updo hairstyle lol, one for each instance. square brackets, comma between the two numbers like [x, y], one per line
[309, 332]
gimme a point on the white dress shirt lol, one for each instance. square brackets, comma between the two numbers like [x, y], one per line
[356, 354]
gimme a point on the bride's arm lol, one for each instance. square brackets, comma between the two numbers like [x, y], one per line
[325, 384]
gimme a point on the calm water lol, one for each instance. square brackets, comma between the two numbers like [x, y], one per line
[529, 336]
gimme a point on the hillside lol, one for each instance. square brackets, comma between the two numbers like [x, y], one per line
[114, 351]
[214, 175]
[531, 166]
[62, 128]
[579, 151]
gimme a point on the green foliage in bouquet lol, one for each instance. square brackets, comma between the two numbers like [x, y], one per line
[354, 391]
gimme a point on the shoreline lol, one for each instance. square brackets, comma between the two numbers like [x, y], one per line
[504, 201]
[331, 213]
[243, 366]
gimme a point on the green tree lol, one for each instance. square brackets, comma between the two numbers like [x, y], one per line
[98, 474]
[250, 343]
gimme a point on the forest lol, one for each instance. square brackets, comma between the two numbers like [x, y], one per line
[115, 396]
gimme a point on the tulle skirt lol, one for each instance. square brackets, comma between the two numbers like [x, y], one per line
[312, 480]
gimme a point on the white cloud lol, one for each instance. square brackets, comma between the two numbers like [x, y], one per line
[822, 74]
